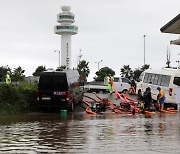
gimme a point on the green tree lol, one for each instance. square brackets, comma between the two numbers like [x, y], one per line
[18, 74]
[83, 70]
[126, 71]
[38, 70]
[103, 72]
[3, 72]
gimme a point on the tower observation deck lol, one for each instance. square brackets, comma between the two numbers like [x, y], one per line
[65, 29]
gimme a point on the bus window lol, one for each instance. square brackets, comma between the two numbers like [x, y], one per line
[176, 81]
[146, 77]
[156, 79]
[159, 80]
[149, 78]
[167, 80]
[152, 78]
[163, 80]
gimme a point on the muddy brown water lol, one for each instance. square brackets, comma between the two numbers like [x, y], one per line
[78, 132]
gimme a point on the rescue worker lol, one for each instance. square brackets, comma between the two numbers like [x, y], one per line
[161, 98]
[8, 78]
[132, 89]
[133, 86]
[147, 99]
[110, 84]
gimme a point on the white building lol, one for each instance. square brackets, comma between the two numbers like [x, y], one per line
[173, 27]
[65, 29]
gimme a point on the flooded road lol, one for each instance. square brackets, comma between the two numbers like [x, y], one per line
[78, 132]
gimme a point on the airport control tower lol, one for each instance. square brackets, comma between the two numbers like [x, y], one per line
[65, 29]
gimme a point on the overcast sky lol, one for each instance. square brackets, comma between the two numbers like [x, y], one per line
[109, 30]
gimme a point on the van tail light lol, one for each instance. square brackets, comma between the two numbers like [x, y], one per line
[170, 91]
[67, 95]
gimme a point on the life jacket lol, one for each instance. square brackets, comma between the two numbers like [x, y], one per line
[8, 79]
[111, 80]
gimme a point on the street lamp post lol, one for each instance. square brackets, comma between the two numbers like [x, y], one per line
[144, 48]
[59, 57]
[98, 63]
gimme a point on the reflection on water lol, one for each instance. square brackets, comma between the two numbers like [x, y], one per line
[83, 133]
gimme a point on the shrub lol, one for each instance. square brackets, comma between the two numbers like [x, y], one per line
[17, 98]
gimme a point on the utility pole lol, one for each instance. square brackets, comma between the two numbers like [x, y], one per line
[144, 48]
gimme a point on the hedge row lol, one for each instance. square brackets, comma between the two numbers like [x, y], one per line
[16, 99]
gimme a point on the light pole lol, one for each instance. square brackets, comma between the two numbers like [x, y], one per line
[98, 63]
[59, 56]
[144, 48]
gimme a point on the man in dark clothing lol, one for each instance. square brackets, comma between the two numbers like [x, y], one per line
[147, 99]
[132, 89]
[133, 85]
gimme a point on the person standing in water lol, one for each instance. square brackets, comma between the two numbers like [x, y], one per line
[161, 98]
[110, 84]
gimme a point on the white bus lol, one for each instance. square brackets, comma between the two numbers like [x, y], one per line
[167, 78]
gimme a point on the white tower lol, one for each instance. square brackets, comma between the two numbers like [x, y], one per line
[65, 29]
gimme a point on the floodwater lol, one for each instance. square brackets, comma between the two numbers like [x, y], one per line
[78, 132]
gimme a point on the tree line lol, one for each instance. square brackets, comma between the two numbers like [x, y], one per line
[126, 71]
[17, 74]
[20, 98]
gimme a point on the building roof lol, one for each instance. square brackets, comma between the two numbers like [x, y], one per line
[172, 26]
[176, 42]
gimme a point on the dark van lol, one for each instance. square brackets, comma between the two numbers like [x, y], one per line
[59, 89]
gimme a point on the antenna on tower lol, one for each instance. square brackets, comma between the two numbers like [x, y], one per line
[79, 57]
[168, 54]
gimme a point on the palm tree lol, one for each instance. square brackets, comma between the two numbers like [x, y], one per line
[126, 71]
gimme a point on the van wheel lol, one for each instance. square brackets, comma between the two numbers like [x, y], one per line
[124, 91]
[101, 92]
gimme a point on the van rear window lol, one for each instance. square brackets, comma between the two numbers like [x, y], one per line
[176, 81]
[55, 82]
